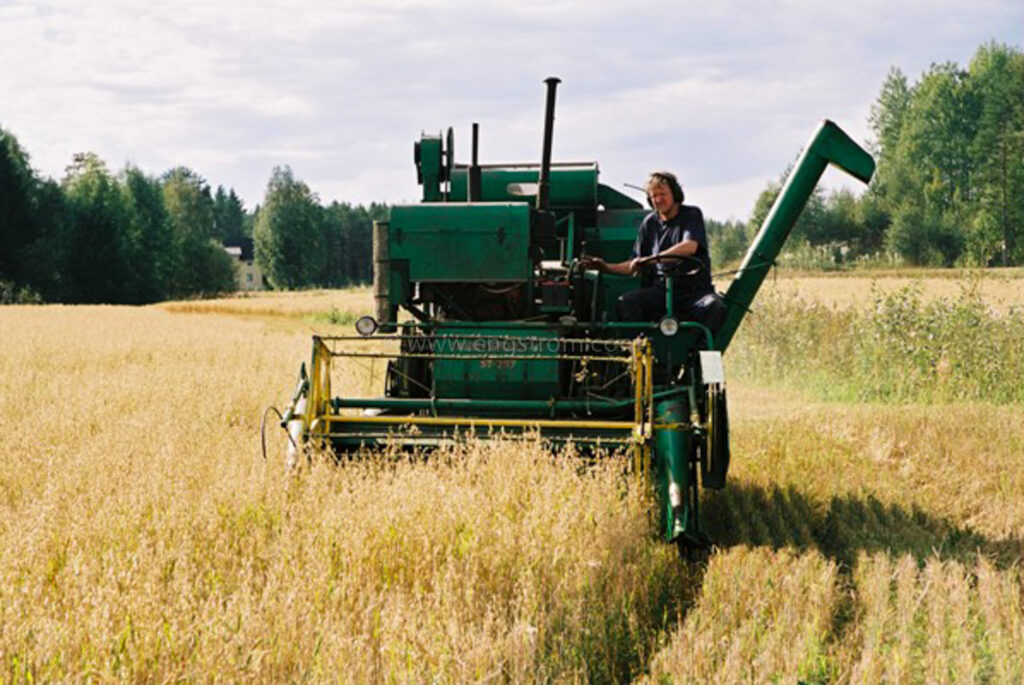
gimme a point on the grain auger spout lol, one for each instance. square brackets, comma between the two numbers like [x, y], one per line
[828, 145]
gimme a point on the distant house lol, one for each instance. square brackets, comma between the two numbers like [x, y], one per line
[247, 273]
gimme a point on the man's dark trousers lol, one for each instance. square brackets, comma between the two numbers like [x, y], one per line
[648, 304]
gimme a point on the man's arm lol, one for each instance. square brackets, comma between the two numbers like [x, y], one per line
[684, 248]
[626, 268]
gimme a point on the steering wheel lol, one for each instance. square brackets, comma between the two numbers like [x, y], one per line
[676, 264]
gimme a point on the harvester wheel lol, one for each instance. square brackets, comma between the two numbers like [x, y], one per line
[691, 551]
[716, 458]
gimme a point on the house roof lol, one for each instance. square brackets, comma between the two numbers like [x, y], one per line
[243, 244]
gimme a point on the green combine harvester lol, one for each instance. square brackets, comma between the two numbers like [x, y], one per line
[487, 325]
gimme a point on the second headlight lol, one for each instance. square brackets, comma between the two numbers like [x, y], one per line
[668, 326]
[366, 325]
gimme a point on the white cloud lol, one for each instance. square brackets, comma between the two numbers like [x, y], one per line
[725, 93]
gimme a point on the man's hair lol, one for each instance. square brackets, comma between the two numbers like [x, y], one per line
[667, 178]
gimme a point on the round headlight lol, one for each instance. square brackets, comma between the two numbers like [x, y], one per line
[668, 326]
[366, 325]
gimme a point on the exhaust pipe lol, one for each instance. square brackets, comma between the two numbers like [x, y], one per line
[473, 192]
[544, 182]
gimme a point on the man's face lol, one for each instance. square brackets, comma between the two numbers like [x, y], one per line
[661, 198]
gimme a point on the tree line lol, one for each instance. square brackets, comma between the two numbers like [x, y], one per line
[301, 243]
[949, 184]
[133, 238]
[948, 190]
[97, 237]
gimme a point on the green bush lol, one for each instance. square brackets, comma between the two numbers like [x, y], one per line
[900, 348]
[11, 293]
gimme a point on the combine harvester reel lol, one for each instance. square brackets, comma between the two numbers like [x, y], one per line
[487, 324]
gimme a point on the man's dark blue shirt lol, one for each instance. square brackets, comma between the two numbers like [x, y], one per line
[655, 236]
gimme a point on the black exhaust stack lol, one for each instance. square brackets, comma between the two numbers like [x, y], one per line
[544, 182]
[473, 192]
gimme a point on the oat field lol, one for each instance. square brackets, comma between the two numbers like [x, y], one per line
[867, 534]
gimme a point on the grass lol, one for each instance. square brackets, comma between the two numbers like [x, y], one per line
[862, 545]
[335, 317]
[999, 288]
[341, 307]
[899, 345]
[144, 538]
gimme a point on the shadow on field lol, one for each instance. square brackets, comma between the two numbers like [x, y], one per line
[845, 527]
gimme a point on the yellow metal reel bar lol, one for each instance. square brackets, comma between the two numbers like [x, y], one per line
[319, 386]
[480, 421]
[318, 418]
[644, 400]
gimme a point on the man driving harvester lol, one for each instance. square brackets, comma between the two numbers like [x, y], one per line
[672, 242]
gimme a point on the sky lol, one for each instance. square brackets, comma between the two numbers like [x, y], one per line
[722, 93]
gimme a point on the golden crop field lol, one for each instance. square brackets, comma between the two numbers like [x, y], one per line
[307, 303]
[1001, 288]
[144, 538]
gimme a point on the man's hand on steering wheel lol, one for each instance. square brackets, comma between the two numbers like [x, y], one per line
[675, 264]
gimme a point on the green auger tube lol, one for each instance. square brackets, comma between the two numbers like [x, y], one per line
[828, 145]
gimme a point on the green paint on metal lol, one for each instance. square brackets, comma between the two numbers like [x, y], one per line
[671, 468]
[670, 309]
[475, 378]
[613, 238]
[499, 407]
[428, 167]
[828, 145]
[572, 185]
[462, 243]
[609, 198]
